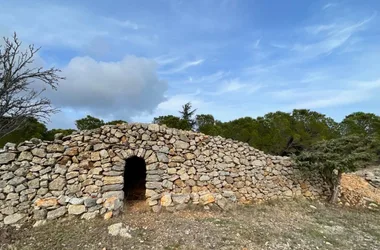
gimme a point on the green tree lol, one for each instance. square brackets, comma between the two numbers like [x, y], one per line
[89, 122]
[116, 122]
[310, 127]
[242, 129]
[187, 115]
[171, 121]
[334, 157]
[208, 125]
[32, 128]
[360, 123]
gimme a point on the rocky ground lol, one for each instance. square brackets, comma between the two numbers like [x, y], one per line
[274, 225]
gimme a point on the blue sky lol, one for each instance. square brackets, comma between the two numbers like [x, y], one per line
[135, 60]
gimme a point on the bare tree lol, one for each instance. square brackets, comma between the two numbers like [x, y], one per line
[18, 99]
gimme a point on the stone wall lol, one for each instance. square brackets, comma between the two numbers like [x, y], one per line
[82, 174]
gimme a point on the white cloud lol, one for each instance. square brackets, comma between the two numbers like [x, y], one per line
[121, 89]
[183, 66]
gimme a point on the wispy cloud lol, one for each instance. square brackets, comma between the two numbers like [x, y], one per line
[329, 39]
[313, 77]
[183, 67]
[231, 86]
[329, 5]
[328, 97]
[316, 29]
[235, 85]
[256, 44]
[125, 24]
[279, 45]
[141, 40]
[166, 59]
[217, 76]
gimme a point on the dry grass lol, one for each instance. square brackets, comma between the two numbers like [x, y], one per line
[273, 225]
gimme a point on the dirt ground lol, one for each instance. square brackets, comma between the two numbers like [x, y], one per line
[275, 225]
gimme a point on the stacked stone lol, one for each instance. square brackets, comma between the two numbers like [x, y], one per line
[82, 174]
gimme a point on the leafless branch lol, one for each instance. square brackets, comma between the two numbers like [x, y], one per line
[18, 100]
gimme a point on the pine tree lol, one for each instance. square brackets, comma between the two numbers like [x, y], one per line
[187, 115]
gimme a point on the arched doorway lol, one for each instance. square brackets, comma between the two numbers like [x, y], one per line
[134, 178]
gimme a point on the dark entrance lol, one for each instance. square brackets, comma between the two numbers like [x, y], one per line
[134, 178]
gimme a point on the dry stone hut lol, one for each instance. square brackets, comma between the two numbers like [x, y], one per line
[92, 173]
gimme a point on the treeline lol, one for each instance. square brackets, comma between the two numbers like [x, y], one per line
[32, 128]
[278, 133]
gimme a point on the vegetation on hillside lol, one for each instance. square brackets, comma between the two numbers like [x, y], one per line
[332, 158]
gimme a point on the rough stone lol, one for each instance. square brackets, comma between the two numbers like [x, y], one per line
[57, 184]
[25, 156]
[206, 199]
[118, 194]
[180, 198]
[76, 209]
[16, 180]
[113, 187]
[34, 183]
[14, 218]
[177, 159]
[90, 202]
[71, 175]
[21, 171]
[46, 202]
[153, 185]
[114, 229]
[100, 146]
[39, 152]
[76, 201]
[181, 145]
[39, 214]
[5, 158]
[162, 157]
[109, 180]
[108, 215]
[89, 215]
[166, 200]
